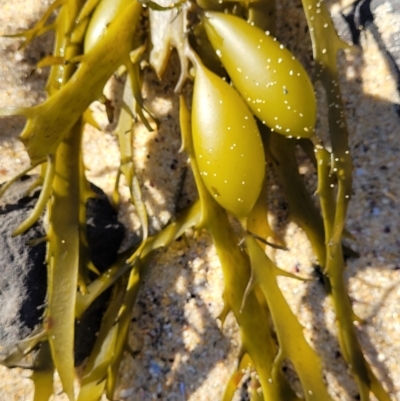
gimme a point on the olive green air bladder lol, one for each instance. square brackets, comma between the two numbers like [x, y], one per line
[252, 101]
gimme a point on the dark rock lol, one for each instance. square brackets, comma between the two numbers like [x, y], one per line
[23, 278]
[89, 325]
[23, 272]
[104, 231]
[104, 234]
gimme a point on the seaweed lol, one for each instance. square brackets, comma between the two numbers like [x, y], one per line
[80, 67]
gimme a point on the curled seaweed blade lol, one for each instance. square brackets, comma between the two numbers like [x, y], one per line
[42, 200]
[167, 28]
[50, 121]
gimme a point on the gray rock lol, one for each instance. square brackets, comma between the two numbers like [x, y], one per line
[23, 275]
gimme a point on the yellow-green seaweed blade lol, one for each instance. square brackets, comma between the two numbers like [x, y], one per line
[50, 121]
[63, 252]
[42, 375]
[290, 335]
[253, 318]
[326, 45]
[95, 374]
